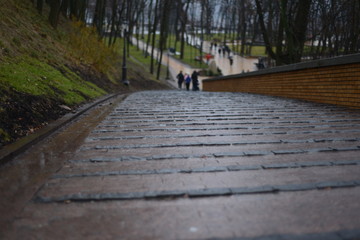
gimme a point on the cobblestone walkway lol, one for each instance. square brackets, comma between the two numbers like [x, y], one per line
[198, 165]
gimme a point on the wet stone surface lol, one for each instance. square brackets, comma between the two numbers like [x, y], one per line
[198, 165]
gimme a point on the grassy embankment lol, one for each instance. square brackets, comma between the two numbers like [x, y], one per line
[43, 69]
[138, 56]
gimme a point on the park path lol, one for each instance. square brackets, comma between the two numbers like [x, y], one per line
[240, 64]
[175, 66]
[199, 165]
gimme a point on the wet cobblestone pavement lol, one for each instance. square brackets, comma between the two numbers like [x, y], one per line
[199, 165]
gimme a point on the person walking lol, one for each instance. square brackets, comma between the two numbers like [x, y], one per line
[187, 81]
[231, 60]
[180, 78]
[208, 57]
[195, 81]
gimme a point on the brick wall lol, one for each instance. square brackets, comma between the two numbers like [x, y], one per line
[332, 81]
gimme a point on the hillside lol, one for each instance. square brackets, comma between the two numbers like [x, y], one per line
[46, 72]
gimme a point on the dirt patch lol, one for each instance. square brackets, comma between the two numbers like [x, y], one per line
[22, 114]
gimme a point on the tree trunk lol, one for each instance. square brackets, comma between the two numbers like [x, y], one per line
[294, 28]
[65, 6]
[82, 6]
[54, 12]
[113, 22]
[40, 5]
[154, 35]
[299, 30]
[164, 29]
[183, 20]
[355, 29]
[243, 24]
[264, 31]
[99, 16]
[149, 30]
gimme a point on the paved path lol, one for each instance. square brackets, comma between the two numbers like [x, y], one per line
[175, 66]
[199, 165]
[240, 64]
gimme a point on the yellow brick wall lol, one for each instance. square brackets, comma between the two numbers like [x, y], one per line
[333, 84]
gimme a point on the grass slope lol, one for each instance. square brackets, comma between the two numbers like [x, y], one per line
[43, 69]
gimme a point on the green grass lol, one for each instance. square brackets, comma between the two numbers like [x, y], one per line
[33, 56]
[31, 76]
[42, 68]
[4, 135]
[258, 51]
[190, 52]
[138, 57]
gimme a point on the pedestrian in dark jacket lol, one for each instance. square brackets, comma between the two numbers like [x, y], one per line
[187, 81]
[231, 60]
[195, 81]
[180, 78]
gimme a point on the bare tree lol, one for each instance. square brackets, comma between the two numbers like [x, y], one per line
[164, 30]
[183, 7]
[328, 27]
[39, 5]
[150, 16]
[292, 29]
[54, 12]
[154, 27]
[334, 28]
[99, 16]
[113, 22]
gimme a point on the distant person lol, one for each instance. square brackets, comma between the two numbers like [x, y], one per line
[260, 64]
[187, 81]
[231, 60]
[227, 49]
[180, 78]
[208, 57]
[195, 81]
